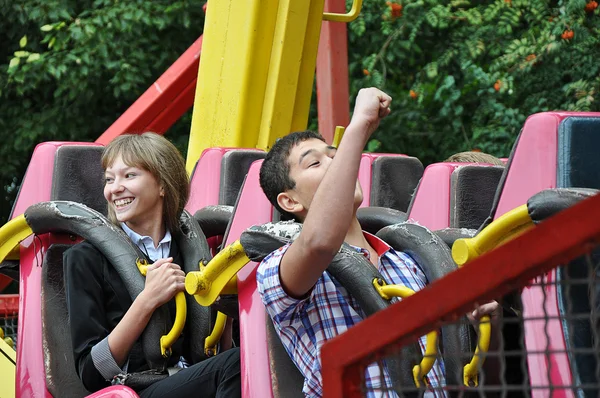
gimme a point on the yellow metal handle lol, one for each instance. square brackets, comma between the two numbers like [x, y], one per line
[167, 341]
[337, 137]
[470, 378]
[421, 370]
[210, 343]
[11, 234]
[348, 17]
[213, 279]
[505, 228]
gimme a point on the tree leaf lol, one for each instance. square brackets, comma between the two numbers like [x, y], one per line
[47, 28]
[14, 63]
[33, 57]
[23, 41]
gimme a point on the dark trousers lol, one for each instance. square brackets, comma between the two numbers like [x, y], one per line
[218, 376]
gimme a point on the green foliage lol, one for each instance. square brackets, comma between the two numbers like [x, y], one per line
[70, 68]
[476, 69]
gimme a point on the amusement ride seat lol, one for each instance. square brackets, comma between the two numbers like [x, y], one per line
[554, 150]
[72, 172]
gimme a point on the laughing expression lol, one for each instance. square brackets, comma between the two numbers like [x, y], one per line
[134, 194]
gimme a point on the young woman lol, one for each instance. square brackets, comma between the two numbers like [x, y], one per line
[146, 187]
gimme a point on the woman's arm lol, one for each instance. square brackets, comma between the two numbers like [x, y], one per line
[100, 353]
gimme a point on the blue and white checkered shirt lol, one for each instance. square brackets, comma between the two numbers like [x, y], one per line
[305, 325]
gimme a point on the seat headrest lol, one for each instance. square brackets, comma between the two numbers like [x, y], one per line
[78, 176]
[394, 180]
[234, 167]
[472, 191]
[578, 163]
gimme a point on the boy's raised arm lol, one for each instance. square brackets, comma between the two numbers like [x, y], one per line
[332, 207]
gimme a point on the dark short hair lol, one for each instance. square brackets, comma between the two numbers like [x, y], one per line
[275, 170]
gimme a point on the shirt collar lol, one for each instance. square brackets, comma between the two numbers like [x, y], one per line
[139, 239]
[380, 246]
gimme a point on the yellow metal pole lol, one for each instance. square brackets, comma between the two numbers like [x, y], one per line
[256, 73]
[292, 71]
[232, 76]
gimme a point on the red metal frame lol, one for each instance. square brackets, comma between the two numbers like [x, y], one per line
[490, 276]
[9, 304]
[4, 282]
[332, 73]
[164, 102]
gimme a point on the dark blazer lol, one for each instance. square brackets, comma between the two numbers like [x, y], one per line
[97, 300]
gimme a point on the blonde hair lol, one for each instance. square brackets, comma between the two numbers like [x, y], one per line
[155, 154]
[474, 157]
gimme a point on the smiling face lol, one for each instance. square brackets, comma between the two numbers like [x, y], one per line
[309, 161]
[135, 195]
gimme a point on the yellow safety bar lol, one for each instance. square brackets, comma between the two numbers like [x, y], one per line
[421, 370]
[210, 343]
[505, 228]
[210, 282]
[470, 370]
[11, 234]
[167, 341]
[348, 17]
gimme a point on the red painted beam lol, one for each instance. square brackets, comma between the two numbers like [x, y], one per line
[556, 241]
[332, 73]
[164, 102]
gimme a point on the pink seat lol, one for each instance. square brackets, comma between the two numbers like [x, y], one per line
[45, 366]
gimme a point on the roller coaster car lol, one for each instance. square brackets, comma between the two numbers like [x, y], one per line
[69, 174]
[549, 145]
[273, 373]
[553, 150]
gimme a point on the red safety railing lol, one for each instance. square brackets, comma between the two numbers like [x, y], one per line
[555, 352]
[9, 310]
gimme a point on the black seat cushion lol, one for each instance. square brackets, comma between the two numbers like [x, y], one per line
[234, 167]
[61, 375]
[472, 191]
[78, 176]
[394, 180]
[578, 163]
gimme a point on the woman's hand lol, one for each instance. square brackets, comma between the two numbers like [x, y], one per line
[164, 279]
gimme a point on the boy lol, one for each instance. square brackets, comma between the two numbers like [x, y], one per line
[317, 184]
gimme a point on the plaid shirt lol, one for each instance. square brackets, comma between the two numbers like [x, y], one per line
[305, 325]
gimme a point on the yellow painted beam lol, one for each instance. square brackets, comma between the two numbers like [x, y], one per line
[233, 71]
[256, 73]
[306, 77]
[292, 72]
